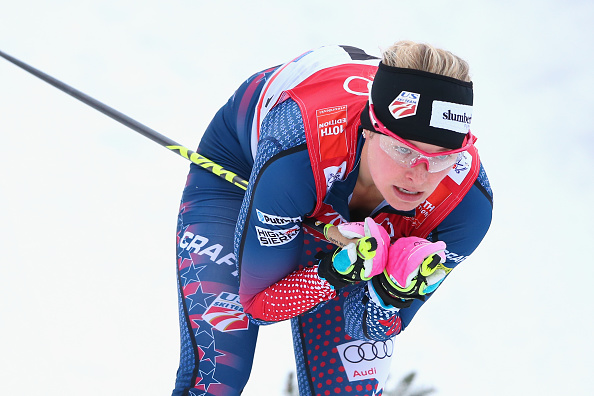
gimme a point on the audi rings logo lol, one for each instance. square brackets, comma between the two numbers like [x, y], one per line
[368, 351]
[366, 359]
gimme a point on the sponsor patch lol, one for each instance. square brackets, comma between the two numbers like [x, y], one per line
[367, 359]
[429, 205]
[451, 116]
[405, 105]
[332, 123]
[334, 173]
[268, 237]
[226, 313]
[276, 220]
[460, 171]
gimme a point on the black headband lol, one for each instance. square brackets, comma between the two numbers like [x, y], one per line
[421, 106]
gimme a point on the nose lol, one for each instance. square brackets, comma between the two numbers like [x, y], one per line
[418, 170]
[420, 160]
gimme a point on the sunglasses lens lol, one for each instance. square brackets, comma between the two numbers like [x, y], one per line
[409, 157]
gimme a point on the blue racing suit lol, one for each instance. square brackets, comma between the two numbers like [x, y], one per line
[244, 258]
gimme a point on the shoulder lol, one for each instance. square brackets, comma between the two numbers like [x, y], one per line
[466, 226]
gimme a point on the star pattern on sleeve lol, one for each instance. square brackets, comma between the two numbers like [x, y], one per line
[207, 379]
[210, 353]
[184, 254]
[191, 274]
[203, 327]
[199, 298]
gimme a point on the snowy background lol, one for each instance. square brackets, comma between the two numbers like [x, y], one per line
[88, 207]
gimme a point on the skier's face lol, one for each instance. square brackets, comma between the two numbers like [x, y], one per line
[404, 188]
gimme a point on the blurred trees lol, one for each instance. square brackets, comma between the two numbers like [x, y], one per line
[403, 388]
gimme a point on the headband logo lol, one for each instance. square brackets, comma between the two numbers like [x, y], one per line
[455, 117]
[405, 105]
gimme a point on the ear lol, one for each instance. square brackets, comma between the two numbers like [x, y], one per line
[367, 134]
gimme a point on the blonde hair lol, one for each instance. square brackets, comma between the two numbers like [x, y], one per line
[425, 57]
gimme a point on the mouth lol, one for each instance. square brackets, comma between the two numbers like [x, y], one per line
[405, 191]
[407, 195]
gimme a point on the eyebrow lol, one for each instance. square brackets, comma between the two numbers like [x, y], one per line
[440, 150]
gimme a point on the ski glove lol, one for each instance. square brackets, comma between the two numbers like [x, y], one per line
[414, 268]
[359, 260]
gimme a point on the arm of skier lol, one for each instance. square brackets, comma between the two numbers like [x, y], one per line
[362, 257]
[272, 287]
[269, 235]
[269, 238]
[462, 231]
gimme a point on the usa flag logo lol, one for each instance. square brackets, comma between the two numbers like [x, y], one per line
[405, 105]
[226, 314]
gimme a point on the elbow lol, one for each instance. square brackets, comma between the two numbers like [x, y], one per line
[252, 307]
[247, 303]
[254, 315]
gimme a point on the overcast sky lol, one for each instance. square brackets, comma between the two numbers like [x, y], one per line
[88, 207]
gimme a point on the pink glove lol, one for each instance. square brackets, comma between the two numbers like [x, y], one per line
[407, 255]
[374, 259]
[414, 269]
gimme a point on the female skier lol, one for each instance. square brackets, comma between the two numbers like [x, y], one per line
[380, 151]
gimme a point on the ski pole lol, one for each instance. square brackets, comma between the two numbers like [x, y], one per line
[331, 233]
[133, 124]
